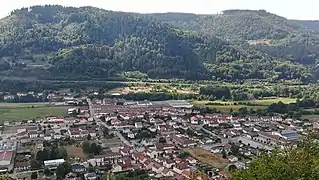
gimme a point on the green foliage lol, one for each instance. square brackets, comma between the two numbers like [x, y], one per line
[275, 36]
[55, 42]
[62, 170]
[91, 148]
[290, 163]
[34, 175]
[53, 151]
[218, 92]
[47, 171]
[224, 154]
[183, 155]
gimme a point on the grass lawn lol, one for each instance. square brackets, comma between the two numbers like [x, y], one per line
[28, 111]
[255, 104]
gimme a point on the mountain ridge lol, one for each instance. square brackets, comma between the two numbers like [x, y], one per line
[66, 42]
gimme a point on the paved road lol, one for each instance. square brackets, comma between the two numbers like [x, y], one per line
[125, 141]
[224, 140]
[91, 109]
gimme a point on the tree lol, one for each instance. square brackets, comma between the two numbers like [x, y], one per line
[43, 155]
[34, 175]
[232, 167]
[62, 170]
[184, 155]
[234, 149]
[224, 154]
[243, 111]
[95, 149]
[293, 163]
[86, 147]
[47, 172]
[55, 154]
[63, 153]
[89, 137]
[35, 164]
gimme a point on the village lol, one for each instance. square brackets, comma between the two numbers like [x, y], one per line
[162, 139]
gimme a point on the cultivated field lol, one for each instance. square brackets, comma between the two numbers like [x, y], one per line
[29, 111]
[235, 105]
[208, 157]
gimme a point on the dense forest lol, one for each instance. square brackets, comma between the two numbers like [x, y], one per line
[55, 42]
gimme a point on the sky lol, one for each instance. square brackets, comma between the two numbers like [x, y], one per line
[292, 9]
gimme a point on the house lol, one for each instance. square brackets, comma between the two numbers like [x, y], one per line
[277, 118]
[167, 172]
[78, 168]
[125, 151]
[194, 120]
[206, 140]
[183, 141]
[138, 125]
[116, 122]
[57, 136]
[22, 166]
[157, 168]
[131, 135]
[164, 147]
[191, 160]
[47, 137]
[90, 176]
[121, 167]
[139, 157]
[71, 176]
[33, 134]
[180, 167]
[211, 122]
[22, 134]
[148, 164]
[152, 154]
[289, 134]
[92, 133]
[53, 164]
[75, 134]
[186, 174]
[108, 157]
[152, 128]
[232, 158]
[168, 163]
[84, 133]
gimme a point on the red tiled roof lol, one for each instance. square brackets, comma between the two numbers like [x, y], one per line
[5, 155]
[22, 164]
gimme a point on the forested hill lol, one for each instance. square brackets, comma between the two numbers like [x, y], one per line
[234, 24]
[55, 42]
[278, 37]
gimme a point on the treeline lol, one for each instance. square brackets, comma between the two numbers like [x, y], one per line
[242, 93]
[16, 86]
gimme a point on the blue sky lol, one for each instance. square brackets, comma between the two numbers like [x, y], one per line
[292, 9]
